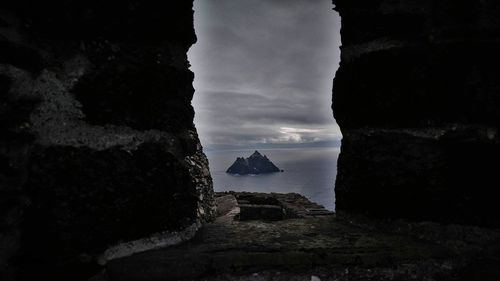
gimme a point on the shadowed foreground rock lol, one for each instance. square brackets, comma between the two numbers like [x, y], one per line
[320, 246]
[417, 97]
[97, 142]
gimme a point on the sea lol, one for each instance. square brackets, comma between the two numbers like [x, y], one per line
[308, 171]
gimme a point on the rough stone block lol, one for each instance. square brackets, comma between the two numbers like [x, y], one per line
[261, 212]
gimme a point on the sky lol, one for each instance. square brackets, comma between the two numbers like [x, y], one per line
[264, 72]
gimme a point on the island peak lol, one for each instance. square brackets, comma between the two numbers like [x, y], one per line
[255, 164]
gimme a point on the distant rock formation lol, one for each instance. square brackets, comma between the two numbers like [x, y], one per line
[255, 164]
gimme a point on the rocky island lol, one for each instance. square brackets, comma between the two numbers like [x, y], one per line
[255, 164]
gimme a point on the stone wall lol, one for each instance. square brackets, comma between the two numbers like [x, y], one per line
[97, 142]
[417, 97]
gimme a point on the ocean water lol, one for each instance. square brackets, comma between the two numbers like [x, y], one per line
[308, 171]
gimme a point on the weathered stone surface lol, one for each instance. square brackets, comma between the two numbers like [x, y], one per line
[97, 142]
[297, 249]
[97, 147]
[84, 204]
[293, 205]
[417, 99]
[225, 204]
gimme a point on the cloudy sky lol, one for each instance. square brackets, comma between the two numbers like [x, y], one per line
[264, 70]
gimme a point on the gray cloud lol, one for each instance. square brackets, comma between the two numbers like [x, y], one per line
[264, 71]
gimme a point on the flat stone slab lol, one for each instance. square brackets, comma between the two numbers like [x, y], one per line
[319, 212]
[296, 245]
[310, 243]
